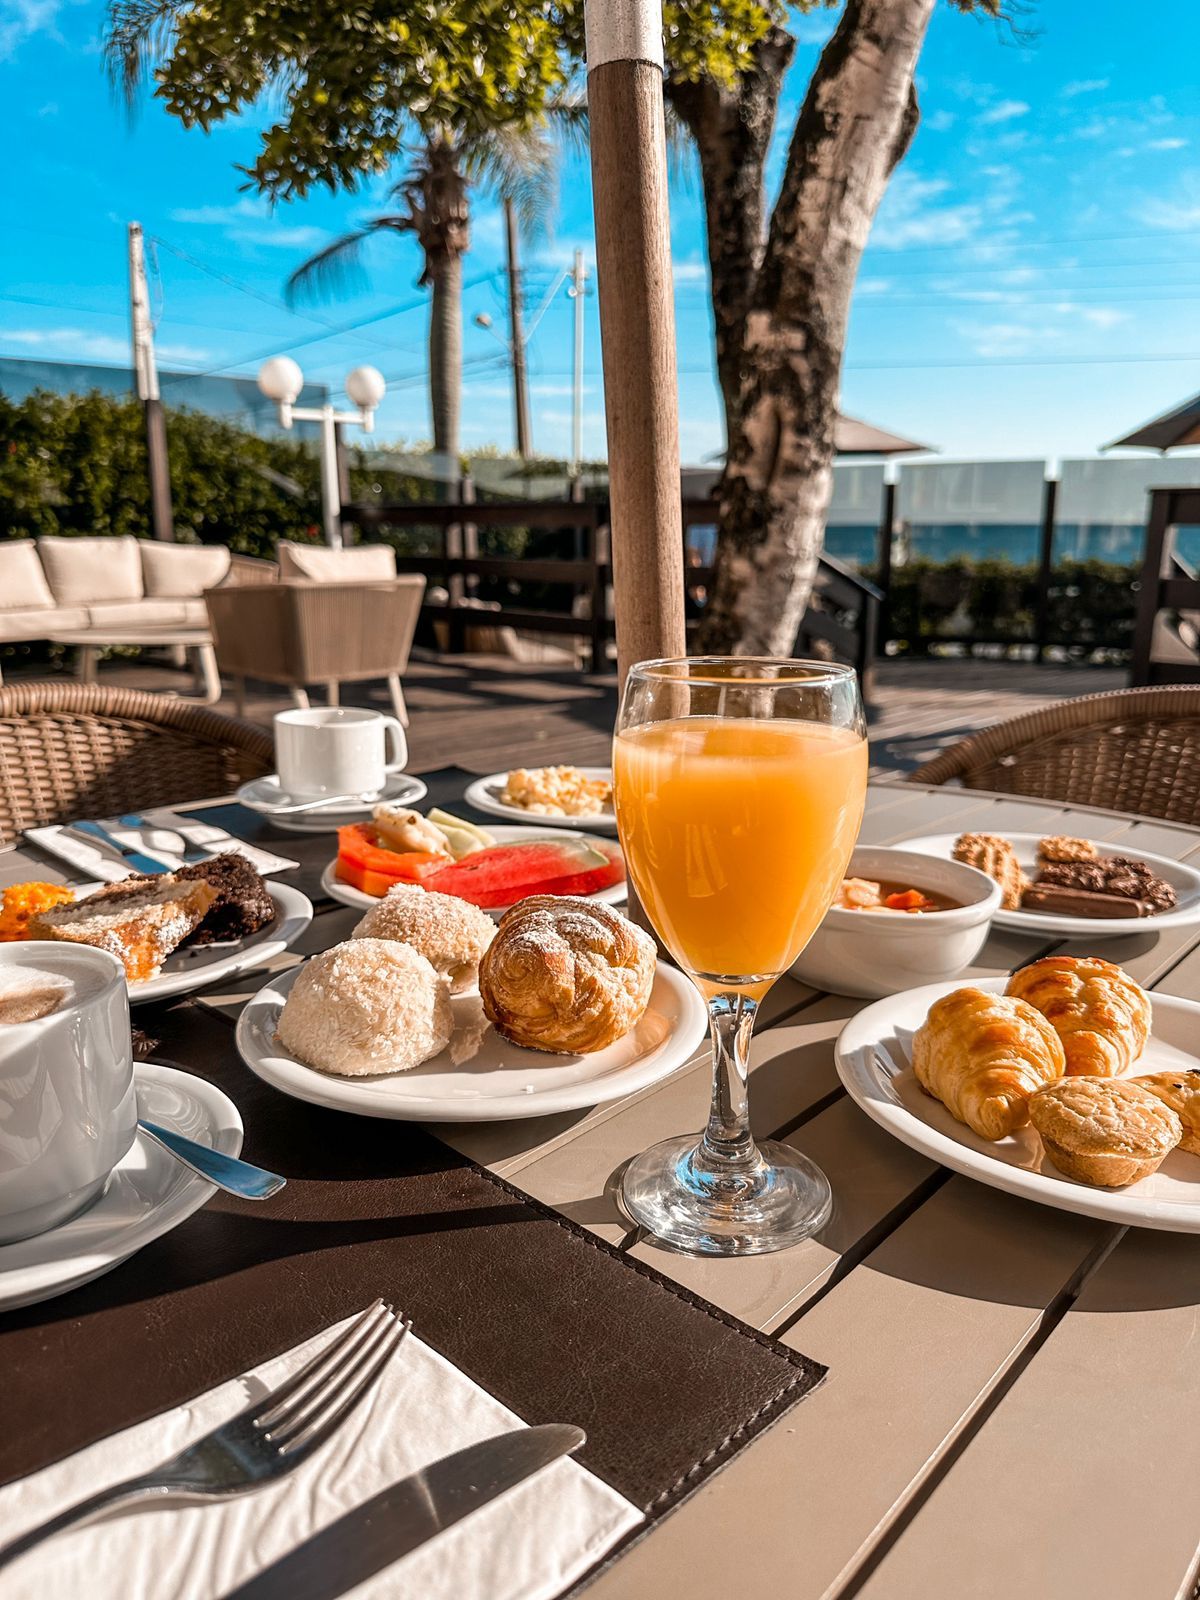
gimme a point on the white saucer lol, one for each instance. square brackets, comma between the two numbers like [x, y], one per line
[265, 796]
[197, 965]
[148, 1194]
[484, 794]
[874, 1054]
[498, 1080]
[332, 885]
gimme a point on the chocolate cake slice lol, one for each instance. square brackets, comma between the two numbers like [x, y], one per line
[243, 905]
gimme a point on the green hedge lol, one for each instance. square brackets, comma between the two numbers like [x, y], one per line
[1091, 604]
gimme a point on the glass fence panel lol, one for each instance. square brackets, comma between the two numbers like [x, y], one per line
[973, 510]
[1103, 506]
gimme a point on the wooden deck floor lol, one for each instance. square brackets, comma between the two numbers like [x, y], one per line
[485, 713]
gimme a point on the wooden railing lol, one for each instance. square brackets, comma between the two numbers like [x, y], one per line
[1166, 585]
[843, 615]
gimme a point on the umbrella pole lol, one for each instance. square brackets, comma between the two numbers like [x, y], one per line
[637, 324]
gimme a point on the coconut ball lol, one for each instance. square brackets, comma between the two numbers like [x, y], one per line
[366, 1006]
[450, 933]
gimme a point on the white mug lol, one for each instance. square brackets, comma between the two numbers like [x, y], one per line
[337, 750]
[68, 1112]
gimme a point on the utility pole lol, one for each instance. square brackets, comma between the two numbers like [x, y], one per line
[517, 337]
[577, 292]
[145, 372]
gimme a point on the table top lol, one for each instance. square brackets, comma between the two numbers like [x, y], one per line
[991, 1361]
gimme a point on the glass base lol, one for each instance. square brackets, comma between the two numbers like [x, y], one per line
[714, 1210]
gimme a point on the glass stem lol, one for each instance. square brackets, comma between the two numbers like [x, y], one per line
[727, 1139]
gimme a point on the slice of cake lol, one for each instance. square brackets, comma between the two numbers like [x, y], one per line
[243, 905]
[140, 923]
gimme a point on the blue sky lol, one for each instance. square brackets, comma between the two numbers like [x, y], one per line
[1032, 286]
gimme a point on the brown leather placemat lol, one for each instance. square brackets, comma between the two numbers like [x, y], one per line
[555, 1323]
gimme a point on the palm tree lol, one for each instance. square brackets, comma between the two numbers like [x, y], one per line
[520, 167]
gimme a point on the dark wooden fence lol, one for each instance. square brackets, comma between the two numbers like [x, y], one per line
[842, 618]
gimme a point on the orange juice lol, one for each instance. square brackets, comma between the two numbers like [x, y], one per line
[737, 832]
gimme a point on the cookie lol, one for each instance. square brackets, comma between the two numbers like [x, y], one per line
[995, 856]
[1062, 847]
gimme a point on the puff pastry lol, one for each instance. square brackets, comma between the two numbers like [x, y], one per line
[1098, 1011]
[1104, 1131]
[566, 975]
[1180, 1091]
[983, 1055]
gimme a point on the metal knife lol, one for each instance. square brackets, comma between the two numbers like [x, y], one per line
[380, 1531]
[140, 863]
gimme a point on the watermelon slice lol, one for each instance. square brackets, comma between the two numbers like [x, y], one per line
[505, 873]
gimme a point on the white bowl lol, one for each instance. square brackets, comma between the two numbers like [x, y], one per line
[68, 1112]
[875, 953]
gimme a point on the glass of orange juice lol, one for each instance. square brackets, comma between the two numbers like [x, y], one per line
[739, 787]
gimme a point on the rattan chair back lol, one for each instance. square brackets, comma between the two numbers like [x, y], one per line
[70, 750]
[1135, 750]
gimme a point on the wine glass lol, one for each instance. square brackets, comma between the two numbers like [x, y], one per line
[739, 787]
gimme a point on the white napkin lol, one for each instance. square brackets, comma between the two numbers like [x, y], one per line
[528, 1544]
[159, 837]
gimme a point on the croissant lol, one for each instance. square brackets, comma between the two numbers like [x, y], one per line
[1099, 1013]
[566, 975]
[983, 1055]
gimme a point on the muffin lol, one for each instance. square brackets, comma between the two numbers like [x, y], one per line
[365, 1007]
[450, 933]
[1104, 1131]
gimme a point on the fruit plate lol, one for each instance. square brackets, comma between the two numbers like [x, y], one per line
[332, 885]
[1183, 879]
[484, 794]
[493, 1080]
[873, 1056]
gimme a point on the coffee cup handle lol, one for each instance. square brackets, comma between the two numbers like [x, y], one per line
[396, 744]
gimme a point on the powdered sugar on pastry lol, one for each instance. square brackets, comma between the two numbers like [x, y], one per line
[364, 1007]
[450, 933]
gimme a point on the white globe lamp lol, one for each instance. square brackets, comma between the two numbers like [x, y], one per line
[281, 380]
[365, 387]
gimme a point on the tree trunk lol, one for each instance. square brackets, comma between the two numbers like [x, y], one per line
[857, 120]
[732, 131]
[445, 357]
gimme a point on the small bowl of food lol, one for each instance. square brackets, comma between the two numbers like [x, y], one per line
[900, 919]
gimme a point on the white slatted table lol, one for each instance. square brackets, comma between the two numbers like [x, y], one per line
[1009, 1406]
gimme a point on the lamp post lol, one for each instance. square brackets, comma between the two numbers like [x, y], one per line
[281, 380]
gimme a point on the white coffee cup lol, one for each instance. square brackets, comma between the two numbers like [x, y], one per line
[335, 750]
[68, 1111]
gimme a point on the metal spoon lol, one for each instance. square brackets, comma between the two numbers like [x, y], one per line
[227, 1172]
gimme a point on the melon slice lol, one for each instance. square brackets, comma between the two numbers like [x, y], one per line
[498, 877]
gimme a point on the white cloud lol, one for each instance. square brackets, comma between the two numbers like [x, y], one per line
[75, 344]
[1083, 86]
[251, 222]
[301, 237]
[1005, 111]
[22, 19]
[874, 286]
[690, 271]
[910, 218]
[1180, 214]
[1102, 316]
[939, 121]
[50, 109]
[1166, 144]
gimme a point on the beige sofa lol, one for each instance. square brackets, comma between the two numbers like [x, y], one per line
[71, 585]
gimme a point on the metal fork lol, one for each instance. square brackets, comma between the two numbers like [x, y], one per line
[267, 1440]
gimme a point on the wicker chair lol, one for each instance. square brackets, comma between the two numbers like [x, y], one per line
[299, 631]
[1135, 750]
[70, 750]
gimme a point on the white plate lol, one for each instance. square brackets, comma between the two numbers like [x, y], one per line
[873, 1059]
[264, 795]
[197, 965]
[484, 795]
[499, 1080]
[332, 885]
[1184, 880]
[148, 1194]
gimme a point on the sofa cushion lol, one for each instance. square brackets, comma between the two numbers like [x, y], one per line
[23, 584]
[358, 565]
[84, 572]
[135, 614]
[171, 571]
[39, 622]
